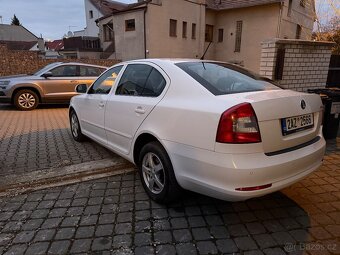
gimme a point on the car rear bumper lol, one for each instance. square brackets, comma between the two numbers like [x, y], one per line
[219, 175]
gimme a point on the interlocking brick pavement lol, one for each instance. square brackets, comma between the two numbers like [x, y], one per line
[115, 216]
[41, 139]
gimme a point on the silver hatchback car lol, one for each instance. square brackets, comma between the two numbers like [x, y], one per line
[55, 83]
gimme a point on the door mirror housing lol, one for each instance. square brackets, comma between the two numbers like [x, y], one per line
[81, 88]
[47, 74]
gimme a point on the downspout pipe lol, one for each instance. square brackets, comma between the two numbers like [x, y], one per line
[145, 55]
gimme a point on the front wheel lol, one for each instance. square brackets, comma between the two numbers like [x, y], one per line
[75, 127]
[157, 174]
[26, 100]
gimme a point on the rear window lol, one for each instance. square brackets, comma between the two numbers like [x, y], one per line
[222, 78]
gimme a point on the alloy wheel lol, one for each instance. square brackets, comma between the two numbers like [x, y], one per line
[153, 173]
[26, 100]
[74, 125]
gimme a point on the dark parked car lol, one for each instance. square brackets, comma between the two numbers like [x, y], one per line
[55, 83]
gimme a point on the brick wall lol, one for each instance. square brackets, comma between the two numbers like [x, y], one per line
[301, 64]
[24, 62]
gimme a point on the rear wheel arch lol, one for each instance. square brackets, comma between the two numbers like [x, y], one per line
[142, 140]
[169, 189]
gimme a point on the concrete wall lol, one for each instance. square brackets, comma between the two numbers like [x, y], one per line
[303, 16]
[129, 44]
[159, 44]
[305, 65]
[210, 19]
[259, 23]
[91, 26]
[101, 23]
[23, 62]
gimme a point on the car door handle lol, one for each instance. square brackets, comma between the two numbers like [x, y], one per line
[139, 110]
[101, 105]
[73, 81]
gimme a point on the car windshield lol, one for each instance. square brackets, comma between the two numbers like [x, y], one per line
[43, 70]
[223, 78]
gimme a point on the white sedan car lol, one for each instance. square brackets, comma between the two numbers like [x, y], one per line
[209, 127]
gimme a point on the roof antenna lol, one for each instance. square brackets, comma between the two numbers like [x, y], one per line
[205, 51]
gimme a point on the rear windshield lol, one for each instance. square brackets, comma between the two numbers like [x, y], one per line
[222, 78]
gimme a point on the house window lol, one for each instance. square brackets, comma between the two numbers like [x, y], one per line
[220, 35]
[303, 3]
[173, 27]
[130, 25]
[298, 32]
[289, 8]
[238, 37]
[91, 14]
[209, 33]
[108, 32]
[184, 30]
[193, 33]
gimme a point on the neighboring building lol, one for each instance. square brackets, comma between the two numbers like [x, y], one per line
[232, 29]
[95, 9]
[53, 48]
[19, 38]
[78, 47]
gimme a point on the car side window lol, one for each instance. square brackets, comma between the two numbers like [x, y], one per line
[105, 82]
[141, 80]
[86, 71]
[65, 71]
[154, 85]
[133, 80]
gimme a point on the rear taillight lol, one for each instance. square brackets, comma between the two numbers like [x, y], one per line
[238, 125]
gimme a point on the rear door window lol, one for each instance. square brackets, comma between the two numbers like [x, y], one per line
[141, 80]
[154, 85]
[221, 78]
[86, 71]
[65, 71]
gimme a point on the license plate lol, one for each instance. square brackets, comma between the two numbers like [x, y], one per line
[297, 123]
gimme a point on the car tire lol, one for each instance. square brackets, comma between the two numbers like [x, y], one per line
[157, 174]
[26, 100]
[75, 127]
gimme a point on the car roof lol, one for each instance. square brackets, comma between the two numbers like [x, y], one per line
[173, 61]
[166, 60]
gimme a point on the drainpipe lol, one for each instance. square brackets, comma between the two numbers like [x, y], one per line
[279, 21]
[145, 31]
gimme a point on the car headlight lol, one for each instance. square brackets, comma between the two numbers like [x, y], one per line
[4, 83]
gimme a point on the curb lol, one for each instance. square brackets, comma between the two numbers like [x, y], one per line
[16, 184]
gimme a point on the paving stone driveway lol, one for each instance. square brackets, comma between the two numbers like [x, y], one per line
[41, 139]
[114, 216]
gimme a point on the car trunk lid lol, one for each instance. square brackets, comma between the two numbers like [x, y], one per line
[272, 107]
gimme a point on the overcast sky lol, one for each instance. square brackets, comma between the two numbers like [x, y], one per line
[51, 18]
[54, 18]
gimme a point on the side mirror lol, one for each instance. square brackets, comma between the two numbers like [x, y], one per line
[81, 88]
[47, 74]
